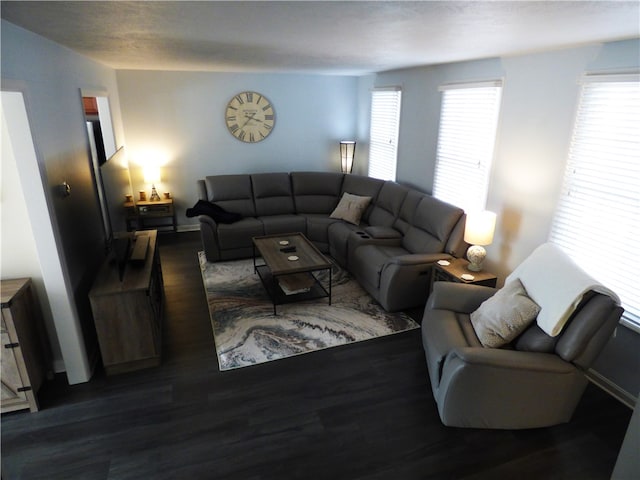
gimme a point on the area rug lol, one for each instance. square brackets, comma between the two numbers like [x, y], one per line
[247, 333]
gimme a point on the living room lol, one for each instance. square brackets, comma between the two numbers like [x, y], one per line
[178, 116]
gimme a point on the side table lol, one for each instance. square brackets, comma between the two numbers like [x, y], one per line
[454, 271]
[26, 357]
[150, 214]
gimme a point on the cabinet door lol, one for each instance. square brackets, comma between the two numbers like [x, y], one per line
[12, 383]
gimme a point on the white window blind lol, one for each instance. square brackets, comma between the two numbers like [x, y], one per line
[385, 122]
[597, 221]
[468, 126]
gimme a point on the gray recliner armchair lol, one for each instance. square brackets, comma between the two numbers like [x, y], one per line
[536, 380]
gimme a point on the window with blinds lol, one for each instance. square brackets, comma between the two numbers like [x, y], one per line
[466, 139]
[597, 221]
[385, 123]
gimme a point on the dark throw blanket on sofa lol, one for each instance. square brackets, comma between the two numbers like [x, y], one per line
[214, 211]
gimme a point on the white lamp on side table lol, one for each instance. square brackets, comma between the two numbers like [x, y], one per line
[478, 231]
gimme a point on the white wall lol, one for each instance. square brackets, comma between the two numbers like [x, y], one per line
[539, 100]
[538, 106]
[50, 77]
[180, 115]
[19, 256]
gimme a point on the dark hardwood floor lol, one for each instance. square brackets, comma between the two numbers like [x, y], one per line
[363, 411]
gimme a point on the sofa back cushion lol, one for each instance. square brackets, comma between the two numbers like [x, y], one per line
[272, 193]
[583, 336]
[316, 192]
[387, 206]
[456, 245]
[589, 329]
[231, 192]
[363, 187]
[408, 211]
[432, 224]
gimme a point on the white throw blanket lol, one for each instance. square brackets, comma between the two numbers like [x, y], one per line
[556, 284]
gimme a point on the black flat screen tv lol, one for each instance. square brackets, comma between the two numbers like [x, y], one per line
[114, 183]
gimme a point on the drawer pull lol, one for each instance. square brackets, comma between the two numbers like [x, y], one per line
[12, 345]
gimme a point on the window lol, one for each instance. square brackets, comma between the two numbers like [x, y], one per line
[468, 126]
[597, 221]
[385, 122]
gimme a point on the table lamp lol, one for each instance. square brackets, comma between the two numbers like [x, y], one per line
[152, 176]
[478, 231]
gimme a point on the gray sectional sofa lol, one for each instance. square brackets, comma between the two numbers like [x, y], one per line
[390, 252]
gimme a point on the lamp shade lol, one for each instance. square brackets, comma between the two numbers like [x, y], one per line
[480, 227]
[151, 174]
[347, 152]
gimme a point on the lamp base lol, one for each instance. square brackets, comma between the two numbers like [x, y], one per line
[476, 255]
[154, 194]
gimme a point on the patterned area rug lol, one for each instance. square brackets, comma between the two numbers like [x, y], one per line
[247, 333]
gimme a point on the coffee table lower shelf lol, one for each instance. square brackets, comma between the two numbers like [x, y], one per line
[279, 297]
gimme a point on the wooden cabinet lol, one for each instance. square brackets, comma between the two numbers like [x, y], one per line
[128, 312]
[25, 355]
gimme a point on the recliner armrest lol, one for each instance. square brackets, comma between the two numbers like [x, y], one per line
[457, 297]
[419, 258]
[511, 359]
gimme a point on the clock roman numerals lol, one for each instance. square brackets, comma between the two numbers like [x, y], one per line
[250, 117]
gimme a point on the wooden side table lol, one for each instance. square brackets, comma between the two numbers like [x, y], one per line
[454, 271]
[150, 214]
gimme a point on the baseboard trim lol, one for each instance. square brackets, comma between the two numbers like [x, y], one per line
[611, 388]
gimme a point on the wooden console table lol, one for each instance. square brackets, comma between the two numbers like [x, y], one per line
[147, 213]
[128, 312]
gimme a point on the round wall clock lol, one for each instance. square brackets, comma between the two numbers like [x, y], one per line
[250, 117]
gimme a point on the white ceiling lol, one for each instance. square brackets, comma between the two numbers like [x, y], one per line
[331, 37]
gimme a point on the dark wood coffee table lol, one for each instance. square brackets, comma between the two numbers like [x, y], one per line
[288, 272]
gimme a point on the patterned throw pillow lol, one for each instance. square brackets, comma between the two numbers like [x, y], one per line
[504, 316]
[350, 208]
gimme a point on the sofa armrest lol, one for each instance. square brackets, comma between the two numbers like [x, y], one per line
[209, 236]
[419, 258]
[207, 220]
[457, 297]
